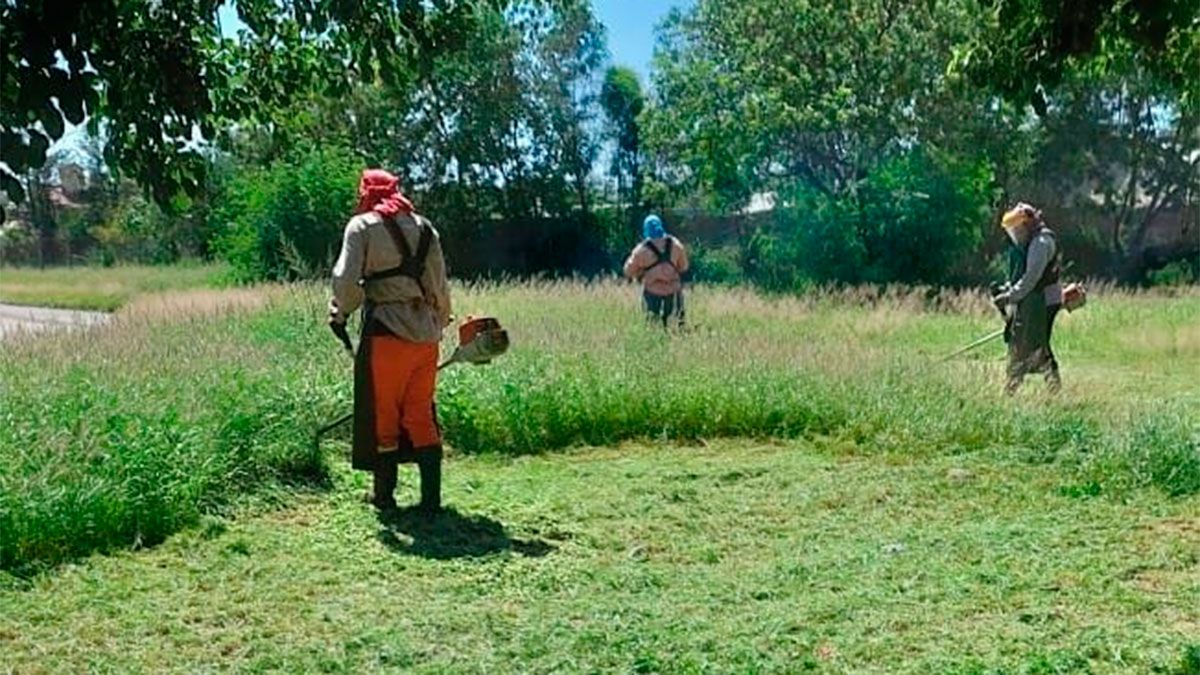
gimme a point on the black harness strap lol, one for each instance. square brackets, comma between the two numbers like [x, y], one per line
[1053, 271]
[663, 257]
[411, 265]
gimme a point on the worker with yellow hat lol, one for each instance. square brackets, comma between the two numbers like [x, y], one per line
[1032, 297]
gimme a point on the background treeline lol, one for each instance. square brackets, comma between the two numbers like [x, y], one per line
[792, 142]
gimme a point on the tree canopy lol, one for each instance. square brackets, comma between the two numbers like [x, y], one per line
[859, 140]
[1030, 46]
[760, 92]
[623, 101]
[158, 75]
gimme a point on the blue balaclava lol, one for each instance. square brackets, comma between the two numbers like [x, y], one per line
[652, 227]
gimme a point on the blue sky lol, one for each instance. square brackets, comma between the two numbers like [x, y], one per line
[630, 25]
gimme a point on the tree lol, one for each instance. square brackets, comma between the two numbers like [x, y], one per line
[623, 101]
[500, 133]
[760, 93]
[560, 70]
[1116, 85]
[843, 110]
[161, 76]
[41, 211]
[1030, 47]
[1116, 153]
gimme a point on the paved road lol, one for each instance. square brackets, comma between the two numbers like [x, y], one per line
[15, 318]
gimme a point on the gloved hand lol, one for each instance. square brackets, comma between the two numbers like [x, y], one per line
[337, 324]
[1007, 311]
[1004, 303]
[335, 312]
[999, 295]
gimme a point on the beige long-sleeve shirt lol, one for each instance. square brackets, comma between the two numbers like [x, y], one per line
[661, 280]
[398, 303]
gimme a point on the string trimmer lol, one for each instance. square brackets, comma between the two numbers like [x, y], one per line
[1074, 297]
[480, 339]
[981, 341]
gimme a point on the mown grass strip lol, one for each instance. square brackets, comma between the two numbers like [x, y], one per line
[735, 557]
[99, 288]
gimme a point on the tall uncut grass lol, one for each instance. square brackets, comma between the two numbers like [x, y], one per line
[860, 367]
[121, 435]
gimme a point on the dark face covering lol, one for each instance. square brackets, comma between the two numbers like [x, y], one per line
[1019, 234]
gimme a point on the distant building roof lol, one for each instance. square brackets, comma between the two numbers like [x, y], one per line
[73, 178]
[59, 198]
[760, 202]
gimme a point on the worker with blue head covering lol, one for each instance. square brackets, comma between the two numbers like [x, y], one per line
[652, 228]
[659, 262]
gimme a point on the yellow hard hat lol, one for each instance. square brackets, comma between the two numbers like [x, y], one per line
[1019, 215]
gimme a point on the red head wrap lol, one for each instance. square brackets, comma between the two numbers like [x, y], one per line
[379, 191]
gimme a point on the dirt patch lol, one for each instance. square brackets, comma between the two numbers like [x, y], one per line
[1188, 528]
[1164, 581]
[18, 319]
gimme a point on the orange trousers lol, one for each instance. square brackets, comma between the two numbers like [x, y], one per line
[403, 379]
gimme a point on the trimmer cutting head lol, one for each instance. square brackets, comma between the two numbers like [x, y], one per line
[1074, 296]
[480, 339]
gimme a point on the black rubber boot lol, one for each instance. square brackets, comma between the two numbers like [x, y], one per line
[1013, 384]
[429, 461]
[384, 495]
[1053, 380]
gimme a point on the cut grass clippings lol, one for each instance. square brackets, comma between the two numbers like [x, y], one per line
[736, 557]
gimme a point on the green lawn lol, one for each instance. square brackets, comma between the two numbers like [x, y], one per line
[101, 288]
[620, 503]
[735, 557]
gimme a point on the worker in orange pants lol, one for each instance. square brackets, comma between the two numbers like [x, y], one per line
[391, 265]
[403, 377]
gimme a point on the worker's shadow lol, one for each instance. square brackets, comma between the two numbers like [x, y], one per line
[450, 534]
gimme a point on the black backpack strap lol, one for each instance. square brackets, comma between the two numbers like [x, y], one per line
[411, 265]
[423, 245]
[662, 257]
[393, 229]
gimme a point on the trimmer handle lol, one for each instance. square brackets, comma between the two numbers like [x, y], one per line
[995, 289]
[339, 329]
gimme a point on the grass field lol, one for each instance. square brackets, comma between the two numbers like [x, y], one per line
[100, 288]
[735, 557]
[794, 484]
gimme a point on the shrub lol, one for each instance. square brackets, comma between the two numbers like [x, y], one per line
[719, 265]
[920, 216]
[285, 221]
[1179, 273]
[137, 230]
[914, 219]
